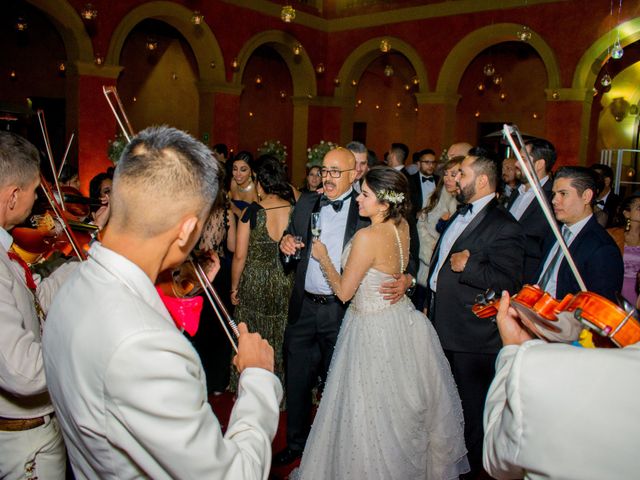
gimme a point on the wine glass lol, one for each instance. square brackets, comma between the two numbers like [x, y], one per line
[316, 225]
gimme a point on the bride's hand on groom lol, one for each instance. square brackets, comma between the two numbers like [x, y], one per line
[394, 290]
[318, 250]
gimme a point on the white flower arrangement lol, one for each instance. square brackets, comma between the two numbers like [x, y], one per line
[275, 148]
[390, 196]
[115, 147]
[316, 153]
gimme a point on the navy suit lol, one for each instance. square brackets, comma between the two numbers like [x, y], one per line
[597, 258]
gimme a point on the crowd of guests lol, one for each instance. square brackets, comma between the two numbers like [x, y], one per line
[398, 241]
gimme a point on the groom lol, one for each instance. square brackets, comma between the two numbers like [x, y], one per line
[315, 313]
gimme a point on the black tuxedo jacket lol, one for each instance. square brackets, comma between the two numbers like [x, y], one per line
[536, 230]
[598, 260]
[301, 225]
[415, 191]
[496, 244]
[611, 208]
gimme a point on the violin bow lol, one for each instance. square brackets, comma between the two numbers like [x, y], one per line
[47, 144]
[528, 170]
[66, 154]
[210, 292]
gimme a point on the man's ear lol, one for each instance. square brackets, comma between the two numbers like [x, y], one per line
[187, 228]
[587, 196]
[12, 195]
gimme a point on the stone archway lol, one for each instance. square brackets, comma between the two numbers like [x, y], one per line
[587, 71]
[304, 86]
[355, 65]
[470, 46]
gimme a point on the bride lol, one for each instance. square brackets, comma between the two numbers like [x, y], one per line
[390, 409]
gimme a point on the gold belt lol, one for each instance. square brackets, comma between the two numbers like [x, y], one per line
[20, 424]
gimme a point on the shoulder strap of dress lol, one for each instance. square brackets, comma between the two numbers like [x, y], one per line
[399, 243]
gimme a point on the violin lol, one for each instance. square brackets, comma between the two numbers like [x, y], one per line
[562, 320]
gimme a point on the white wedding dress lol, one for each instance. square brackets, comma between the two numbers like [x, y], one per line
[390, 408]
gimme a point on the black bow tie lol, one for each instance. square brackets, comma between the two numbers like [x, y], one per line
[428, 179]
[600, 203]
[336, 204]
[464, 208]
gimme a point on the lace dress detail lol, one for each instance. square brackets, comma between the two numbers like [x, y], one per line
[390, 408]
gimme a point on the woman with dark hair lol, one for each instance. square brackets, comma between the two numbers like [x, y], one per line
[242, 191]
[390, 409]
[100, 188]
[627, 237]
[313, 180]
[260, 288]
[440, 206]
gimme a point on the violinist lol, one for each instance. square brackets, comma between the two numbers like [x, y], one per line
[29, 433]
[559, 411]
[595, 253]
[129, 387]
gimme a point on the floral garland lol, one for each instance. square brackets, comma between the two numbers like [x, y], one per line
[115, 148]
[275, 148]
[316, 153]
[390, 196]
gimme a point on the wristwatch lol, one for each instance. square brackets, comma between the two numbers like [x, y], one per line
[412, 287]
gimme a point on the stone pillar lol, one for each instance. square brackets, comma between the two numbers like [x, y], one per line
[436, 119]
[88, 113]
[567, 123]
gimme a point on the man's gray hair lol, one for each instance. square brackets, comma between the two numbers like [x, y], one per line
[19, 160]
[356, 147]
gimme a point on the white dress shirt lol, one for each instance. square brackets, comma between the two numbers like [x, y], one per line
[556, 411]
[334, 225]
[524, 199]
[428, 187]
[552, 284]
[453, 232]
[130, 390]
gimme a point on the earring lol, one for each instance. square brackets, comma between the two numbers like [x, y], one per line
[627, 226]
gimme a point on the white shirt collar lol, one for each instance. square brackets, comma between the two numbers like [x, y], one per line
[578, 226]
[482, 202]
[6, 240]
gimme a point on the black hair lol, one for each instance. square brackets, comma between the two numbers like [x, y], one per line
[486, 166]
[582, 178]
[386, 179]
[542, 149]
[401, 150]
[272, 177]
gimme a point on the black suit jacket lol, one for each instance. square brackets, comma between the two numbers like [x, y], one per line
[301, 225]
[496, 244]
[598, 260]
[415, 191]
[536, 229]
[611, 208]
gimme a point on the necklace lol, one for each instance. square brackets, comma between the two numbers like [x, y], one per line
[247, 188]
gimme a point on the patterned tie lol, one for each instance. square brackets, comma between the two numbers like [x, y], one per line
[557, 258]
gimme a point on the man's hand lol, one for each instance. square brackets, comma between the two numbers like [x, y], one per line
[253, 351]
[101, 217]
[509, 323]
[288, 245]
[459, 260]
[394, 289]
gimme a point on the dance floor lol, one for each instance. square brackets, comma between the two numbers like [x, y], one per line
[222, 405]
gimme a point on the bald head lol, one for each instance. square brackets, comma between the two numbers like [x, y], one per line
[459, 149]
[164, 175]
[341, 162]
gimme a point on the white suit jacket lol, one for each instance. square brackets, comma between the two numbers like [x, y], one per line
[130, 391]
[23, 389]
[563, 412]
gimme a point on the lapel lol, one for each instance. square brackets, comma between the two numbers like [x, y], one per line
[352, 221]
[436, 250]
[535, 205]
[466, 233]
[512, 198]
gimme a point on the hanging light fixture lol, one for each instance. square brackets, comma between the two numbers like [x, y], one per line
[503, 96]
[99, 59]
[235, 64]
[12, 75]
[320, 68]
[617, 51]
[497, 79]
[89, 12]
[151, 44]
[605, 81]
[197, 18]
[259, 81]
[297, 49]
[489, 70]
[555, 95]
[283, 95]
[524, 34]
[354, 83]
[388, 71]
[336, 81]
[288, 14]
[21, 25]
[385, 46]
[62, 67]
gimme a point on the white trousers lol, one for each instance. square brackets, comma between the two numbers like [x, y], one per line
[36, 453]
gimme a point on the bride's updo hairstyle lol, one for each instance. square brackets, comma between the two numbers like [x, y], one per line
[391, 188]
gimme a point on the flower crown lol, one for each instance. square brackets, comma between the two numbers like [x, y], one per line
[390, 196]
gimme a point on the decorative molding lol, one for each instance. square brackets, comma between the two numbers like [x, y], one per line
[208, 86]
[91, 69]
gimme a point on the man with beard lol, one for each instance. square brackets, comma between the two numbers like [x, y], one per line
[526, 209]
[481, 247]
[510, 181]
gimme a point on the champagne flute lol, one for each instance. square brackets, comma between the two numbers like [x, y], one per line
[316, 225]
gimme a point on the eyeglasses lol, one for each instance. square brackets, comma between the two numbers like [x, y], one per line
[428, 162]
[334, 173]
